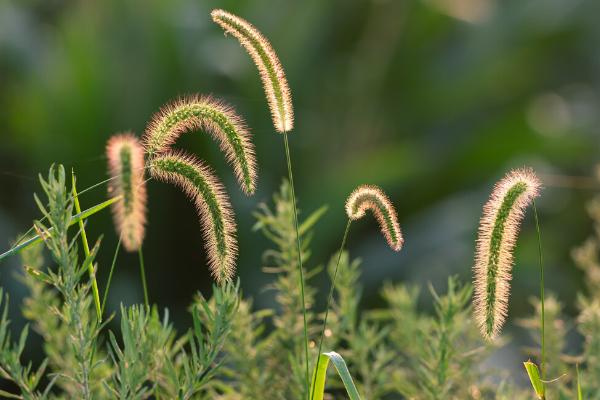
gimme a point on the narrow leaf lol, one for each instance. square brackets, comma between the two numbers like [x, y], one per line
[534, 378]
[318, 390]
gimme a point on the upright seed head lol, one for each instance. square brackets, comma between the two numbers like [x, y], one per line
[498, 230]
[126, 165]
[212, 203]
[268, 64]
[369, 197]
[214, 117]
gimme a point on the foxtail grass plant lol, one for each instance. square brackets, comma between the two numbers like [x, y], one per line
[371, 198]
[214, 117]
[363, 198]
[125, 155]
[279, 98]
[498, 230]
[212, 204]
[269, 67]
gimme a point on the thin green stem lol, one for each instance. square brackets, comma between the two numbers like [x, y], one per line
[110, 274]
[299, 250]
[329, 299]
[541, 260]
[86, 251]
[143, 274]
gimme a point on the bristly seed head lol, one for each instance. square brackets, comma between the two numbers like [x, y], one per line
[268, 64]
[369, 197]
[126, 165]
[498, 230]
[212, 204]
[214, 117]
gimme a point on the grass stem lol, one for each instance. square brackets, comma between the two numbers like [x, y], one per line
[299, 250]
[110, 274]
[329, 299]
[539, 236]
[143, 275]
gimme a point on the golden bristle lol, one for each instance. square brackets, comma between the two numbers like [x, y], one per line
[212, 204]
[269, 67]
[498, 230]
[216, 118]
[125, 156]
[369, 197]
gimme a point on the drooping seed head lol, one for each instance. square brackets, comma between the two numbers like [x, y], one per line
[498, 230]
[369, 197]
[212, 204]
[268, 64]
[216, 118]
[126, 165]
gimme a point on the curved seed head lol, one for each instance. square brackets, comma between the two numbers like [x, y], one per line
[369, 197]
[126, 164]
[216, 118]
[212, 203]
[498, 230]
[271, 72]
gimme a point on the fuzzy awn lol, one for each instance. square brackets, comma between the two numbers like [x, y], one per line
[212, 203]
[268, 64]
[369, 197]
[216, 118]
[498, 230]
[126, 164]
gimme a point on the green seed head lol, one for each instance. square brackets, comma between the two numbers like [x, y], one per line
[369, 197]
[213, 117]
[269, 67]
[498, 230]
[125, 156]
[212, 203]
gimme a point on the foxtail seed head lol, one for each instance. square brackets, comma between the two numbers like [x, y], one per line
[268, 64]
[369, 197]
[126, 165]
[498, 230]
[212, 203]
[214, 117]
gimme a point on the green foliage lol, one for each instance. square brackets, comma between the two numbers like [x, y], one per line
[11, 367]
[234, 352]
[144, 359]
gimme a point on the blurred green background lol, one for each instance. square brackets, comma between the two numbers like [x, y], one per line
[433, 100]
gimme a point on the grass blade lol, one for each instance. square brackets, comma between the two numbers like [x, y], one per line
[534, 378]
[86, 249]
[342, 370]
[76, 218]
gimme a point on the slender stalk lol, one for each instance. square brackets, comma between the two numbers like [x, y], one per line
[299, 249]
[329, 298]
[110, 274]
[86, 251]
[539, 235]
[143, 274]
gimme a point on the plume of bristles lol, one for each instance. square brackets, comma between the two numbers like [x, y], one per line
[369, 197]
[498, 230]
[125, 156]
[212, 204]
[216, 118]
[268, 64]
